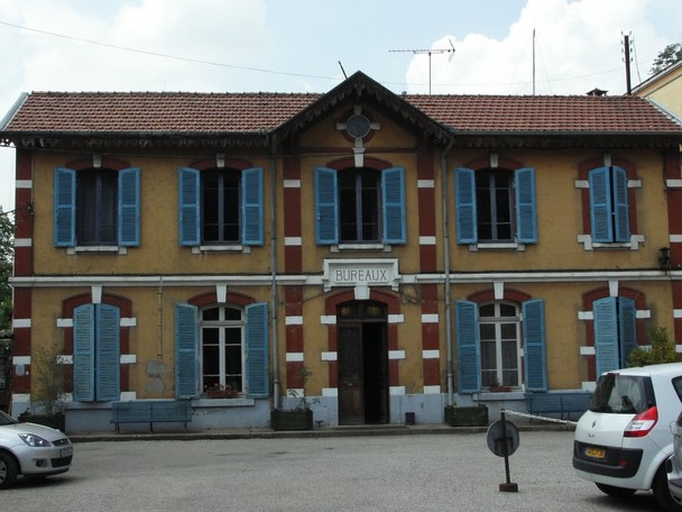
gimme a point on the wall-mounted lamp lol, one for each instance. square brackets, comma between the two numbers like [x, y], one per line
[664, 258]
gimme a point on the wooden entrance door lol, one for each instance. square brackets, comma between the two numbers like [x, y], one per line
[351, 399]
[362, 363]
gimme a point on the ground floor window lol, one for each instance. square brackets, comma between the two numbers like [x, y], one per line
[222, 345]
[615, 332]
[96, 353]
[490, 337]
[222, 357]
[500, 335]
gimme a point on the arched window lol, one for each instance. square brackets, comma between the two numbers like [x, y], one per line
[500, 335]
[222, 360]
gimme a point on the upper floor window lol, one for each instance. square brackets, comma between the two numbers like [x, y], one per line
[221, 206]
[495, 206]
[97, 207]
[609, 209]
[360, 205]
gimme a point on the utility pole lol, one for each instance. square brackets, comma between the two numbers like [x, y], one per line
[626, 51]
[429, 52]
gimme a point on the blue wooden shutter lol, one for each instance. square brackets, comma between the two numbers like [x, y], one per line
[186, 351]
[465, 194]
[108, 352]
[189, 199]
[468, 347]
[393, 197]
[627, 319]
[84, 353]
[257, 353]
[600, 204]
[526, 216]
[129, 207]
[326, 207]
[620, 205]
[534, 345]
[252, 206]
[64, 207]
[605, 334]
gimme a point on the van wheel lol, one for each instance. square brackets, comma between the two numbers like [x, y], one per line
[662, 492]
[616, 492]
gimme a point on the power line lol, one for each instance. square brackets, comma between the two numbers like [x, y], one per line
[165, 55]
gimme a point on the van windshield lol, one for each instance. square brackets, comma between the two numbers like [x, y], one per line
[622, 394]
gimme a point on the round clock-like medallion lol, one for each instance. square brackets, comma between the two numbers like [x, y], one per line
[357, 125]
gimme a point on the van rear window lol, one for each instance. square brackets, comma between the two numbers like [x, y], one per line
[622, 394]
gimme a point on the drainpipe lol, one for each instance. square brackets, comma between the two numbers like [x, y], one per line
[446, 256]
[273, 269]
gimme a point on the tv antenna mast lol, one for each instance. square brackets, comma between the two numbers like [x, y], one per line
[430, 52]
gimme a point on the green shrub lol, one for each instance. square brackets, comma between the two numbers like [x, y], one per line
[662, 350]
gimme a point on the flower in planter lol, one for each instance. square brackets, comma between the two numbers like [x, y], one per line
[218, 390]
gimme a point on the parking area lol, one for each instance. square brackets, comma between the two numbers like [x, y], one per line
[368, 473]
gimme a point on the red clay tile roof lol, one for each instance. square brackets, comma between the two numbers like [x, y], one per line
[212, 113]
[161, 112]
[545, 114]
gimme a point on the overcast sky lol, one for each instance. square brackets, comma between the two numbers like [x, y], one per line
[306, 45]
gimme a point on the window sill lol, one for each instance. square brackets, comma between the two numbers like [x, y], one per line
[487, 396]
[97, 249]
[497, 246]
[203, 249]
[223, 402]
[361, 247]
[632, 245]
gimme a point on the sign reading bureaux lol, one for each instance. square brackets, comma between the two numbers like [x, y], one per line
[361, 274]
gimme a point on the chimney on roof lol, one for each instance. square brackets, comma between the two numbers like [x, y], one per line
[596, 92]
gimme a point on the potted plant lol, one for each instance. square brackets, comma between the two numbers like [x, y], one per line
[217, 390]
[467, 416]
[299, 417]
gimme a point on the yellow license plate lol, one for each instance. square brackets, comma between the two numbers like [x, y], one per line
[595, 453]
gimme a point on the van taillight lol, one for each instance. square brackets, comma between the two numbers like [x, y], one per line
[642, 424]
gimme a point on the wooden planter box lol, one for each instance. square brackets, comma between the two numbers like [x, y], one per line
[466, 416]
[291, 420]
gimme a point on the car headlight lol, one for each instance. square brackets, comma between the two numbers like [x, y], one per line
[34, 440]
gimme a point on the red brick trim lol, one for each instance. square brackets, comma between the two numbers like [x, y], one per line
[510, 294]
[107, 163]
[503, 162]
[209, 298]
[230, 163]
[348, 163]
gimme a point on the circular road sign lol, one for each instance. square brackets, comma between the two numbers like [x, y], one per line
[502, 433]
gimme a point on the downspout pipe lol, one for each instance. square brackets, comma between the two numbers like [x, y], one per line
[446, 269]
[273, 271]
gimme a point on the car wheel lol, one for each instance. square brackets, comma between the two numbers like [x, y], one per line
[616, 492]
[662, 492]
[8, 471]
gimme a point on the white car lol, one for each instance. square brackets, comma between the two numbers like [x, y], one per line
[31, 450]
[675, 462]
[622, 443]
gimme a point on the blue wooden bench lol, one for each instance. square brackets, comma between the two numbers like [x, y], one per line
[561, 403]
[151, 411]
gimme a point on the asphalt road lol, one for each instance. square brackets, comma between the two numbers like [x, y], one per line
[373, 473]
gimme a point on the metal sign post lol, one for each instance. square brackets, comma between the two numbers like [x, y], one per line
[503, 440]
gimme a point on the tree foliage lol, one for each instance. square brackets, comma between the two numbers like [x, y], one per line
[6, 259]
[669, 55]
[662, 350]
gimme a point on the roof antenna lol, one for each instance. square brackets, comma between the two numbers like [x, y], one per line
[343, 70]
[431, 51]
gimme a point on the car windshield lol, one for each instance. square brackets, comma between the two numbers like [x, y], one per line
[622, 394]
[6, 419]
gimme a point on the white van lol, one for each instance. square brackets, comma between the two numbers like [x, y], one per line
[623, 441]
